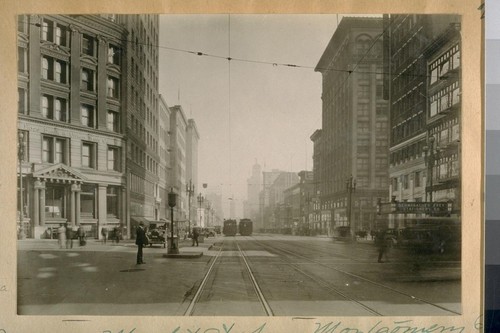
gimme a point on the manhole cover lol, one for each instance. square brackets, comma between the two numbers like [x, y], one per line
[132, 270]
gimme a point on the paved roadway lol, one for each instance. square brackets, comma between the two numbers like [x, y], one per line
[257, 275]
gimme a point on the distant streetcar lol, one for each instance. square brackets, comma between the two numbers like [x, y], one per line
[230, 228]
[246, 227]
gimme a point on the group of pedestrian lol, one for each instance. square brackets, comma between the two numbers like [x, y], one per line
[115, 236]
[65, 236]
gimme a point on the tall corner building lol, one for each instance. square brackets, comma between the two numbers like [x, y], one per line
[422, 85]
[88, 122]
[71, 79]
[351, 166]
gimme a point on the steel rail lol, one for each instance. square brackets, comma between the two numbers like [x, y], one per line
[360, 277]
[260, 295]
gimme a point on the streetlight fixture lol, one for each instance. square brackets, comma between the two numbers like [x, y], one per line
[351, 187]
[172, 201]
[190, 192]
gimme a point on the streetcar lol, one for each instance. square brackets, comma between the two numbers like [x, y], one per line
[245, 227]
[230, 228]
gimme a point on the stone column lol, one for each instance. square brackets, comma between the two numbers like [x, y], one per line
[102, 211]
[73, 204]
[42, 204]
[77, 206]
[36, 204]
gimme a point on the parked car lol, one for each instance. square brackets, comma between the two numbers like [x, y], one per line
[156, 234]
[209, 232]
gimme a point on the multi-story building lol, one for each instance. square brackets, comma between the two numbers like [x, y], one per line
[267, 214]
[298, 199]
[319, 226]
[282, 219]
[353, 157]
[72, 75]
[164, 168]
[141, 110]
[254, 186]
[192, 138]
[178, 126]
[443, 119]
[413, 89]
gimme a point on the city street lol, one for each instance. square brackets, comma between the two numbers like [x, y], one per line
[258, 275]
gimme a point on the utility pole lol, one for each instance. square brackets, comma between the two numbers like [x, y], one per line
[351, 187]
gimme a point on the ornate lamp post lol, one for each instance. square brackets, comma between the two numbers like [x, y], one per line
[172, 200]
[190, 192]
[200, 201]
[351, 187]
[20, 155]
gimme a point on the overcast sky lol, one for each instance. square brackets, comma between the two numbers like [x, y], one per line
[246, 111]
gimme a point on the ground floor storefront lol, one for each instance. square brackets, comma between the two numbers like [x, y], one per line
[60, 195]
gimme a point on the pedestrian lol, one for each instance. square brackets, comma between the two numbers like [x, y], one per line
[381, 243]
[116, 234]
[61, 236]
[104, 233]
[140, 240]
[81, 236]
[195, 236]
[69, 237]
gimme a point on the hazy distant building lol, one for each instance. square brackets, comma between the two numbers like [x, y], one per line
[266, 213]
[72, 75]
[164, 168]
[254, 186]
[192, 139]
[355, 118]
[281, 212]
[178, 126]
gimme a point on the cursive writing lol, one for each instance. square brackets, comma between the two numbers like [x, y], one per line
[224, 329]
[405, 326]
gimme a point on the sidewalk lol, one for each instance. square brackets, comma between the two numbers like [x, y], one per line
[185, 248]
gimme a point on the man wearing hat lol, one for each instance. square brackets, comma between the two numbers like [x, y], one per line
[140, 241]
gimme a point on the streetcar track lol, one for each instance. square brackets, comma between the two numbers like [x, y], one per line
[413, 298]
[201, 288]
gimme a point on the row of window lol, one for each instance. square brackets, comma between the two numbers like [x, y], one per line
[448, 61]
[57, 150]
[445, 98]
[409, 127]
[403, 182]
[407, 153]
[140, 157]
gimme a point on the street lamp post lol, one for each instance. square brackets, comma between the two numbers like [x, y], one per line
[172, 200]
[200, 201]
[20, 154]
[351, 187]
[429, 160]
[190, 192]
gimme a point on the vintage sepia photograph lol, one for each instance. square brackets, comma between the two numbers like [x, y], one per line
[239, 165]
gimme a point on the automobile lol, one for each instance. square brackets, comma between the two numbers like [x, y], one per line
[156, 234]
[210, 231]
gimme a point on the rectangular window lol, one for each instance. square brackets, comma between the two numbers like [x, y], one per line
[89, 155]
[113, 121]
[114, 55]
[47, 106]
[87, 201]
[87, 79]
[113, 87]
[112, 201]
[61, 110]
[114, 158]
[418, 175]
[54, 201]
[54, 150]
[61, 35]
[406, 182]
[22, 102]
[60, 74]
[88, 45]
[47, 30]
[47, 68]
[87, 115]
[22, 60]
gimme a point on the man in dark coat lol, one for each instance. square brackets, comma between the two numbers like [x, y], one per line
[140, 241]
[196, 234]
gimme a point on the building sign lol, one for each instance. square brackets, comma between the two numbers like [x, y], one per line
[415, 207]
